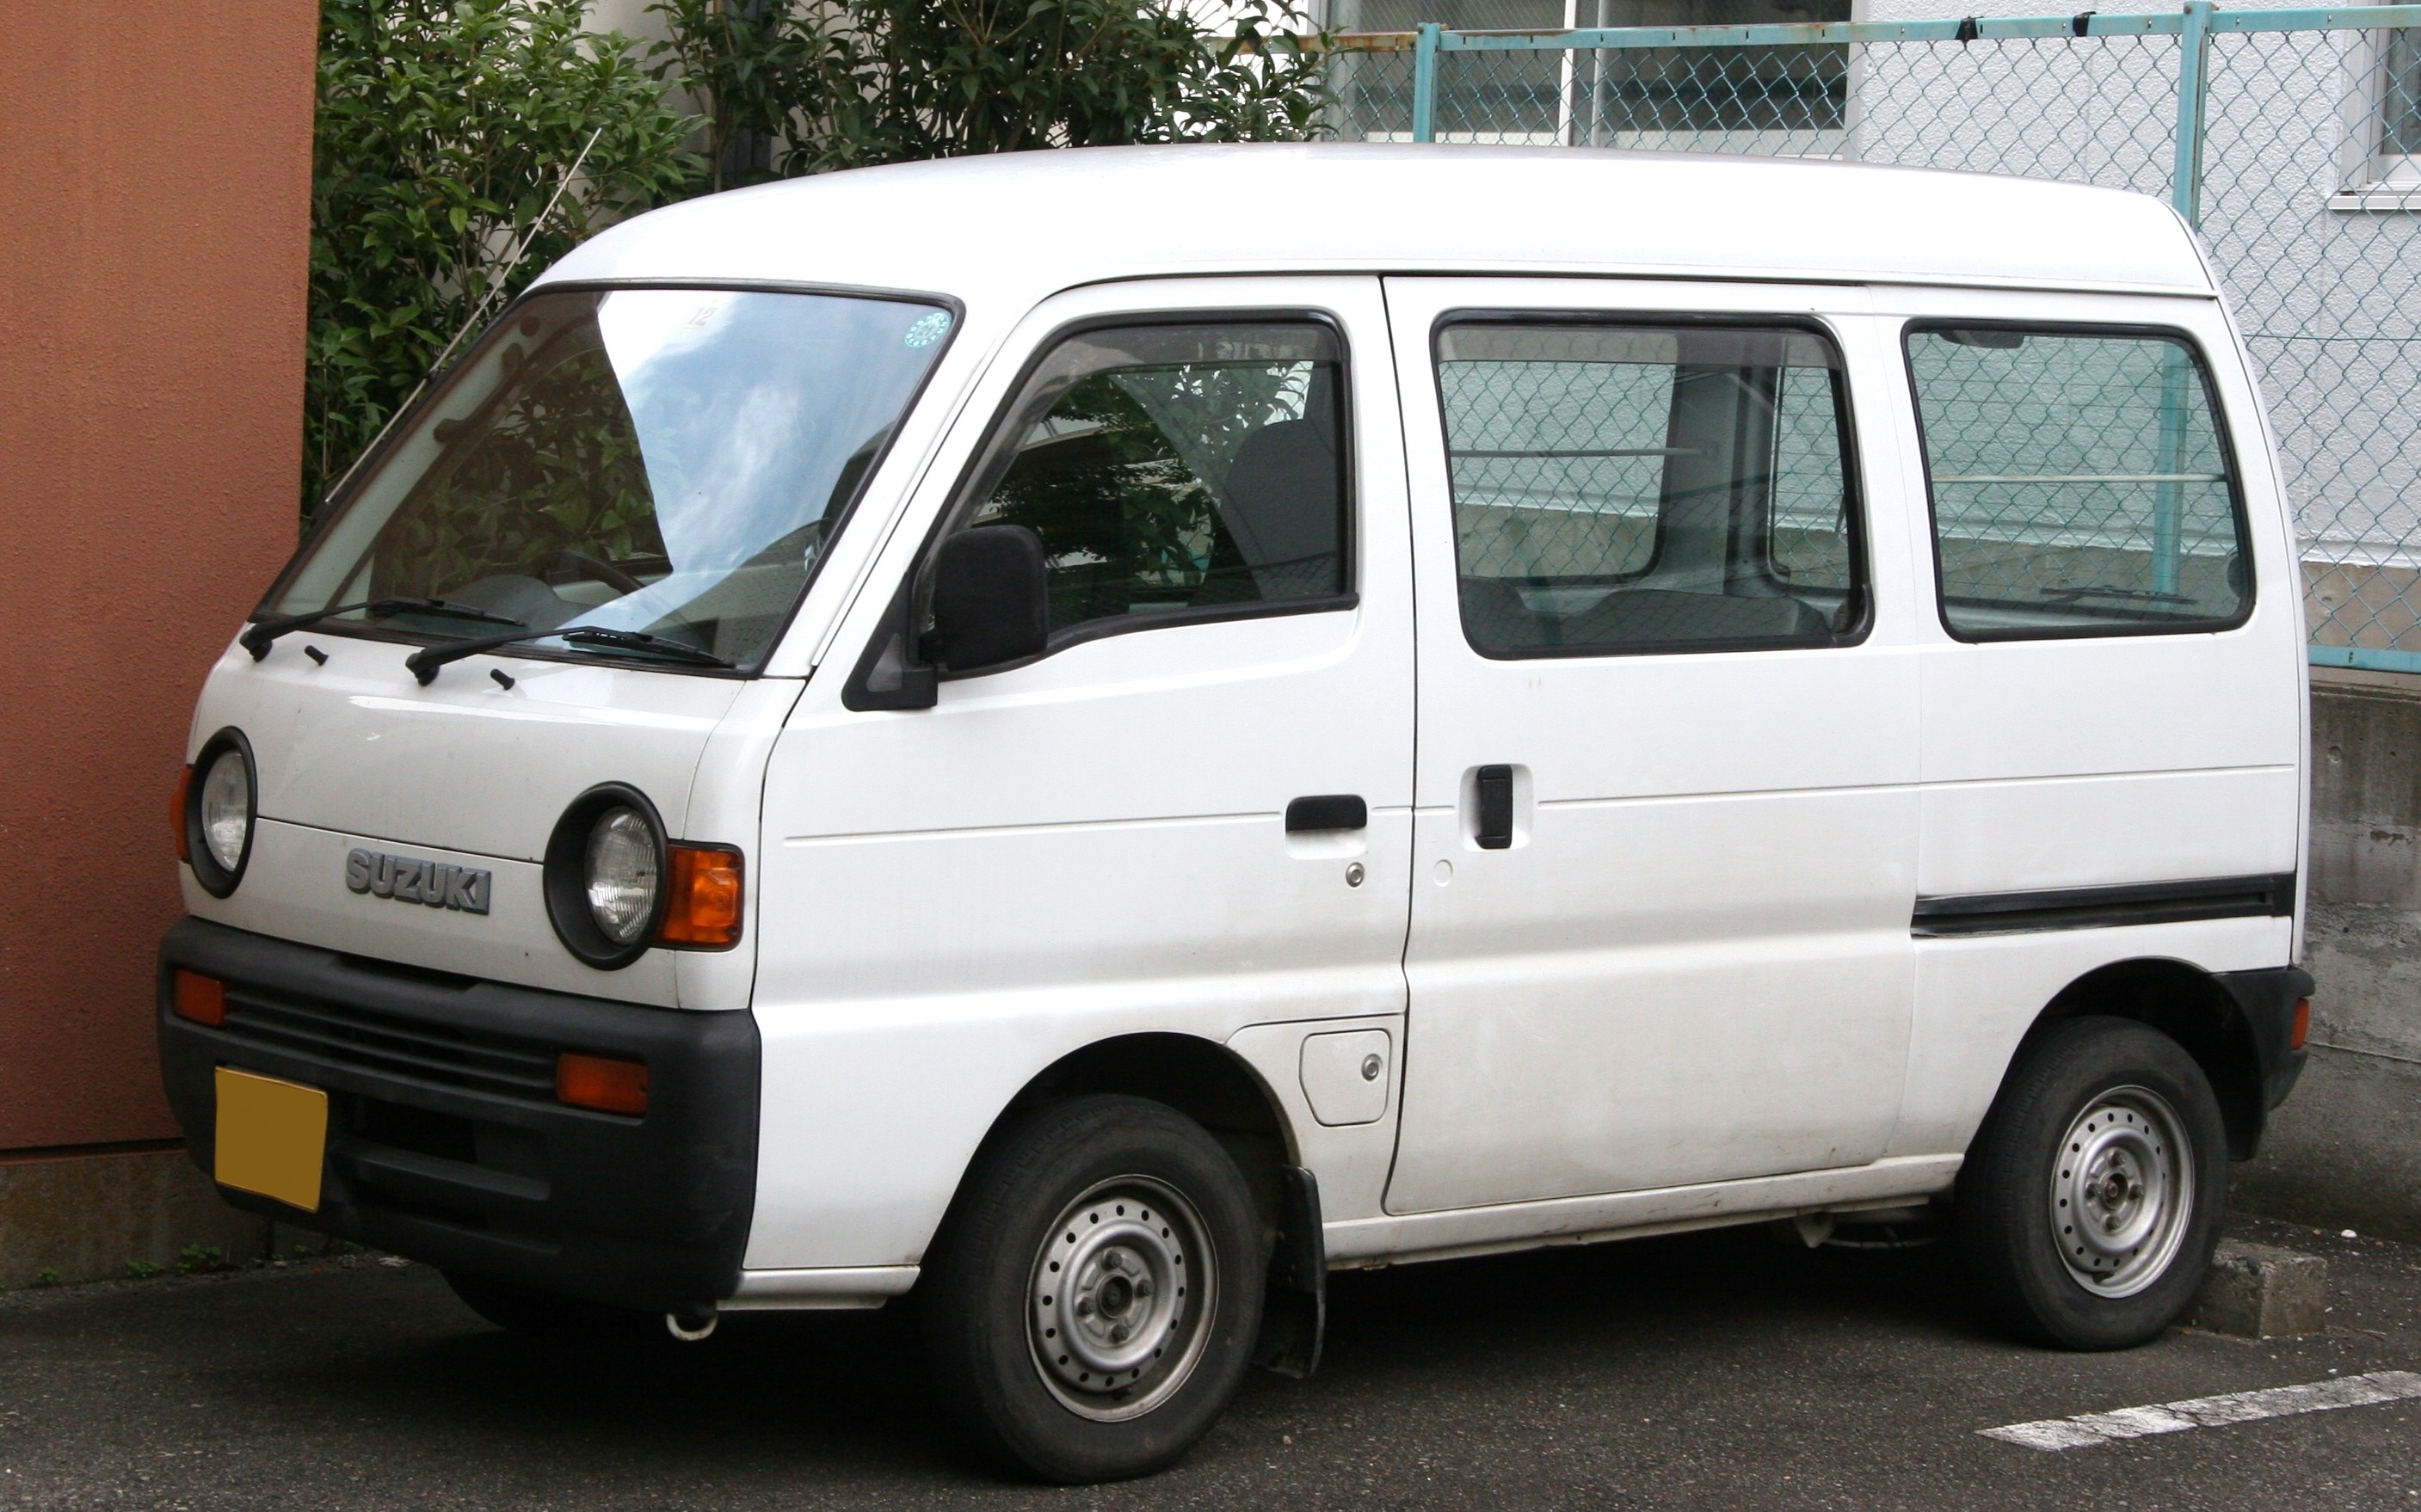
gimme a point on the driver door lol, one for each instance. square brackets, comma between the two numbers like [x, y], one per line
[1096, 842]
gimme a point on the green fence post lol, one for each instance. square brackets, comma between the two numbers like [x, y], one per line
[1425, 60]
[2185, 193]
[2194, 90]
[2169, 494]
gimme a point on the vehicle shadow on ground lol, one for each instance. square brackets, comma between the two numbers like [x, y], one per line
[843, 1392]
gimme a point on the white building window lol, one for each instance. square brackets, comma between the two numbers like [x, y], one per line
[2380, 169]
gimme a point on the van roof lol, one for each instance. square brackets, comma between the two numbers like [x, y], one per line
[1023, 225]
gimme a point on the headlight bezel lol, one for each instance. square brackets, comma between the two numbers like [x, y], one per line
[217, 879]
[567, 877]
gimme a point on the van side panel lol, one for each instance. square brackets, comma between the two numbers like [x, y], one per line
[2111, 760]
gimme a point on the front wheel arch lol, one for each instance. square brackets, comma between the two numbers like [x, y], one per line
[1200, 1078]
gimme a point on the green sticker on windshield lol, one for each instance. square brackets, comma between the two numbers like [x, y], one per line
[930, 329]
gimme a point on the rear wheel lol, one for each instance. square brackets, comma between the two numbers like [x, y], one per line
[1091, 1303]
[2092, 1197]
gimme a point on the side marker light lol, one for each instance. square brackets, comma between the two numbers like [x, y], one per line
[600, 1082]
[202, 999]
[2303, 1027]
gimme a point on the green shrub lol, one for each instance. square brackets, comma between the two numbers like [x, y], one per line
[444, 129]
[144, 1270]
[854, 82]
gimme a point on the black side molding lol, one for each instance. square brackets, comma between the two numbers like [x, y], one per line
[2104, 908]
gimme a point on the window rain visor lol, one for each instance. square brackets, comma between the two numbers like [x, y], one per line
[668, 461]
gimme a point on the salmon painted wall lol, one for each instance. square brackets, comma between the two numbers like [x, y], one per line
[155, 167]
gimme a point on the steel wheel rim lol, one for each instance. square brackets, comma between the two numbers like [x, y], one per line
[1122, 1292]
[2123, 1192]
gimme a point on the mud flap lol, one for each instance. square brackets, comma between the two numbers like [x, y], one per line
[1295, 1315]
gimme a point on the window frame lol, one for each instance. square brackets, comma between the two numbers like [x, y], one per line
[2224, 422]
[917, 582]
[1853, 487]
[339, 499]
[2370, 175]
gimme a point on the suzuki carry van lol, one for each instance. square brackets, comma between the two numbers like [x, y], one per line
[1091, 737]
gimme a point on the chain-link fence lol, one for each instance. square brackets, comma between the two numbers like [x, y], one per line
[2291, 138]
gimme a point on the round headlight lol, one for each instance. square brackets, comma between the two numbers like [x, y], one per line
[227, 809]
[604, 878]
[220, 801]
[622, 874]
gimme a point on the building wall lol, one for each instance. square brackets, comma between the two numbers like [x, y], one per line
[2344, 1151]
[156, 156]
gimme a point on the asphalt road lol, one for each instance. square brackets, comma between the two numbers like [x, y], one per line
[1715, 1370]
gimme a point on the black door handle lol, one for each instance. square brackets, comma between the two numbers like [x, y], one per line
[1327, 811]
[1495, 828]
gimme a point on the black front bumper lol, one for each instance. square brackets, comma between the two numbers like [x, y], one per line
[445, 1142]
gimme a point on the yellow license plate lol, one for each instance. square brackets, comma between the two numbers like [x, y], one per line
[273, 1137]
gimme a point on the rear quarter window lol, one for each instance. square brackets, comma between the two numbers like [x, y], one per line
[2081, 483]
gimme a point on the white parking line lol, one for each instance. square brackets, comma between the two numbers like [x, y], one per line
[2089, 1429]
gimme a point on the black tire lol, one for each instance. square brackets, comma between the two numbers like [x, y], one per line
[990, 1304]
[2094, 1111]
[548, 1318]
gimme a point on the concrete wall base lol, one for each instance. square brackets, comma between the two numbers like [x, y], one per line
[83, 1216]
[2345, 1150]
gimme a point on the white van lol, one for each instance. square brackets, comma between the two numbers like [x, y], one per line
[1099, 735]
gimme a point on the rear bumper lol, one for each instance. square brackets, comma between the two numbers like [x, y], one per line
[444, 1141]
[2267, 1000]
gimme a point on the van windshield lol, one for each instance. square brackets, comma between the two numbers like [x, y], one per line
[672, 461]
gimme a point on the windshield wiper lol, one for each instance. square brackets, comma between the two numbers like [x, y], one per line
[258, 639]
[424, 662]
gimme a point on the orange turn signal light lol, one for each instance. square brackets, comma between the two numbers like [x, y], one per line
[177, 816]
[703, 910]
[600, 1082]
[202, 999]
[2302, 1026]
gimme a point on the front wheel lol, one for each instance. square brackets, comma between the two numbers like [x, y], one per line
[1091, 1303]
[2092, 1197]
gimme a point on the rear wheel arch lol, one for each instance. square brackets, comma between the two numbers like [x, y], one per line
[2190, 1005]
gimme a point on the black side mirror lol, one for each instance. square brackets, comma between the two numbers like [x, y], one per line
[990, 599]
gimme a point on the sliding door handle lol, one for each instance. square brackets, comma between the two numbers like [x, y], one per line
[1493, 830]
[1327, 811]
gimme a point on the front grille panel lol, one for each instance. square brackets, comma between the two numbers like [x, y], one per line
[433, 1055]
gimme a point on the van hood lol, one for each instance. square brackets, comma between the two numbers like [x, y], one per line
[352, 754]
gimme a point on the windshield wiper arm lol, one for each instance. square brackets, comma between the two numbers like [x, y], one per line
[258, 639]
[424, 662]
